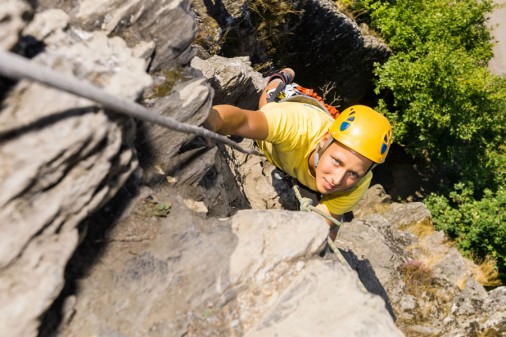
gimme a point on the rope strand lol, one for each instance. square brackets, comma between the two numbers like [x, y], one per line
[306, 205]
[17, 67]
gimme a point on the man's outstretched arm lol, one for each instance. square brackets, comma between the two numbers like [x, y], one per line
[231, 120]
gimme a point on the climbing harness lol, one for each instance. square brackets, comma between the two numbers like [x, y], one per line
[17, 67]
[286, 91]
[306, 205]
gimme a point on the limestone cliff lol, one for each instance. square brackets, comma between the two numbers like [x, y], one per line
[113, 227]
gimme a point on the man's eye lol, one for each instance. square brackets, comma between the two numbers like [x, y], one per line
[354, 175]
[336, 162]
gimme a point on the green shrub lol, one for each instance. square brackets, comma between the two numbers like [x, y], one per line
[478, 226]
[448, 110]
[445, 105]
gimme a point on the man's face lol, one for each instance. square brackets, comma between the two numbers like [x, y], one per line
[339, 168]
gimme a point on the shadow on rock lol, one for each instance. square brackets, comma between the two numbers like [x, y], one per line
[93, 232]
[366, 275]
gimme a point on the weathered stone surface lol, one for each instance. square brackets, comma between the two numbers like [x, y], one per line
[11, 21]
[322, 44]
[326, 35]
[233, 80]
[61, 158]
[432, 288]
[169, 24]
[236, 83]
[253, 274]
[160, 149]
[316, 304]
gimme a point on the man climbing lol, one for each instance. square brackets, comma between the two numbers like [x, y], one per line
[333, 157]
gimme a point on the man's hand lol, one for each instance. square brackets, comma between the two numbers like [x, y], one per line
[324, 209]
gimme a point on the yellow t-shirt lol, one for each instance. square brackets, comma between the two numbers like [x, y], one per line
[294, 130]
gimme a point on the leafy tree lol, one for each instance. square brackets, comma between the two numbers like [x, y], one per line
[446, 106]
[448, 110]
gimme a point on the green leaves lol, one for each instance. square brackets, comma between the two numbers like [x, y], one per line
[448, 109]
[479, 226]
[444, 103]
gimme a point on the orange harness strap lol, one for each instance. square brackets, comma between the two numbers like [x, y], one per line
[310, 92]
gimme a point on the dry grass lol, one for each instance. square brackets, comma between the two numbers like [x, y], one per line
[417, 276]
[209, 34]
[487, 273]
[420, 229]
[351, 9]
[272, 20]
[162, 88]
[266, 66]
[497, 331]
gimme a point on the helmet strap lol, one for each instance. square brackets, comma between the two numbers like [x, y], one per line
[319, 151]
[372, 166]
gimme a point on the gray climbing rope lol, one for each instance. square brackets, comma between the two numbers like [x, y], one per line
[17, 67]
[306, 205]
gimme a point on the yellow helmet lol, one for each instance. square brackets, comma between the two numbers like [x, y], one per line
[363, 130]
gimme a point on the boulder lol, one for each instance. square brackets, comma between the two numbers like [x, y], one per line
[12, 21]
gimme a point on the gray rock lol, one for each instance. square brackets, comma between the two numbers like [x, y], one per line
[233, 80]
[168, 23]
[188, 102]
[316, 304]
[309, 38]
[249, 275]
[12, 13]
[62, 157]
[325, 35]
[432, 288]
[374, 201]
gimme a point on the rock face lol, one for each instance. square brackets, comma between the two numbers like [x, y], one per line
[433, 289]
[178, 259]
[254, 274]
[322, 44]
[166, 23]
[11, 21]
[333, 36]
[62, 158]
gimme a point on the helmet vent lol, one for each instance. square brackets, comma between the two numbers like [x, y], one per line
[386, 142]
[384, 148]
[347, 122]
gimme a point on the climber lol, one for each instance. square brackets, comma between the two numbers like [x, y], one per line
[333, 157]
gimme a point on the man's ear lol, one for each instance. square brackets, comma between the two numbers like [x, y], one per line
[324, 139]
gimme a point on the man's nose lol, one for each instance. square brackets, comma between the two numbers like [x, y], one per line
[338, 176]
